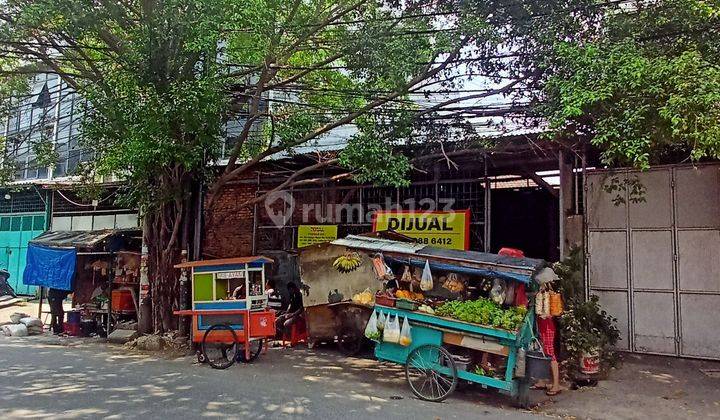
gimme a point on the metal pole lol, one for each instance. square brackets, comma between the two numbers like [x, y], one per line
[487, 211]
[41, 302]
[561, 203]
[111, 280]
[197, 229]
[586, 260]
[255, 218]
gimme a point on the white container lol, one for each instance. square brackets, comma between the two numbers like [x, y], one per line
[590, 362]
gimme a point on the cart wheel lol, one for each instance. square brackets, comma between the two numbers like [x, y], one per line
[201, 357]
[349, 341]
[431, 373]
[255, 349]
[522, 399]
[219, 346]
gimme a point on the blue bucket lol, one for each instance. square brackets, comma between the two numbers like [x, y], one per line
[73, 317]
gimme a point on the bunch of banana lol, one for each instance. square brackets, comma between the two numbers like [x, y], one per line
[348, 262]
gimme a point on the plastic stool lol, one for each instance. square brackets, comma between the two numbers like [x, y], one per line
[298, 333]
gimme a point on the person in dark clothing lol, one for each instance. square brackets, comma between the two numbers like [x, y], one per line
[5, 288]
[294, 310]
[57, 313]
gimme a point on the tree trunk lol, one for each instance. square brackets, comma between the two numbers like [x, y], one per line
[162, 256]
[166, 234]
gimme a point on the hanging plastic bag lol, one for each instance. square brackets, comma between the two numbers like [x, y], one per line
[405, 334]
[555, 303]
[406, 275]
[453, 283]
[510, 292]
[389, 275]
[381, 321]
[426, 282]
[379, 267]
[497, 293]
[542, 304]
[392, 330]
[371, 330]
[382, 270]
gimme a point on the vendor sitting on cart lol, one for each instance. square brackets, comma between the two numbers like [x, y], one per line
[294, 310]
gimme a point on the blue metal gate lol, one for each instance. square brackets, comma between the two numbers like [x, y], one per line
[16, 230]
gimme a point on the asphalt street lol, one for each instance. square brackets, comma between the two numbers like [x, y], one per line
[97, 381]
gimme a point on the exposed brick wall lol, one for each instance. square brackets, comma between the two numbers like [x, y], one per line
[228, 228]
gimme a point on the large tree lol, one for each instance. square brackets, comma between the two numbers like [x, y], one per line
[174, 86]
[644, 85]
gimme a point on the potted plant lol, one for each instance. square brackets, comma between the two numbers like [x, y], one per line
[587, 332]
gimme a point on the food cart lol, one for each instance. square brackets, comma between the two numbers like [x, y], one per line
[431, 369]
[229, 327]
[330, 314]
[440, 350]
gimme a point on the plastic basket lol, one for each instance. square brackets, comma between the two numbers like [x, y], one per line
[408, 305]
[383, 300]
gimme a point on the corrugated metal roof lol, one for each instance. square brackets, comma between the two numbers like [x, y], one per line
[77, 239]
[378, 244]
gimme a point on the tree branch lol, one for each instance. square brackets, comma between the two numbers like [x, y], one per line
[290, 181]
[429, 71]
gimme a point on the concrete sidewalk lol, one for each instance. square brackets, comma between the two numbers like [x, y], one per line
[644, 387]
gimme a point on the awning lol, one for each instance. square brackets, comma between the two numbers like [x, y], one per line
[50, 267]
[378, 244]
[469, 262]
[78, 239]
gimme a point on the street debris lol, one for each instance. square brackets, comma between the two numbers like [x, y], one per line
[170, 342]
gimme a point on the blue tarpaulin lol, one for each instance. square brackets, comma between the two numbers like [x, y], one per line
[50, 267]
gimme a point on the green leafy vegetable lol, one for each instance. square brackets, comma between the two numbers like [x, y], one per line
[484, 312]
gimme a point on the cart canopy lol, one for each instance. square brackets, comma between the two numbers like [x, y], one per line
[468, 262]
[86, 239]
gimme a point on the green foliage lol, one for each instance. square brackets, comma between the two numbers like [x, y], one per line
[646, 83]
[584, 325]
[620, 187]
[484, 312]
[164, 77]
[570, 271]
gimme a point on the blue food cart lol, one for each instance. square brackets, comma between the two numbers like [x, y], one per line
[431, 368]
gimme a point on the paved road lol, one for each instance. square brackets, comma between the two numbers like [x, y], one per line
[96, 381]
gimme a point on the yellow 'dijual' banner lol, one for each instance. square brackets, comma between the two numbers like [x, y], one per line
[442, 229]
[315, 234]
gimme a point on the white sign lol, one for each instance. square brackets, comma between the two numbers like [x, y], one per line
[227, 275]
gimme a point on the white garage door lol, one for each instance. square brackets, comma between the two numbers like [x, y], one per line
[654, 257]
